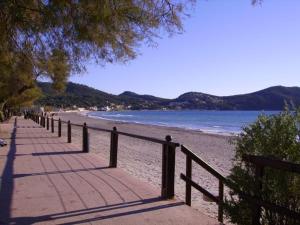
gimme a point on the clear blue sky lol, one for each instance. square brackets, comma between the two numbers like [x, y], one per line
[228, 47]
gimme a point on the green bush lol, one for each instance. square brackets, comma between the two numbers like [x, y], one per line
[275, 136]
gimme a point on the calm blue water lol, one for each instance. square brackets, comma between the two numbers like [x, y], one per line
[207, 121]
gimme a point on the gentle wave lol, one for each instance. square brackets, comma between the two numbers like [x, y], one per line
[120, 115]
[219, 122]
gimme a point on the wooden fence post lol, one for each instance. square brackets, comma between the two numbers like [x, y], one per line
[188, 186]
[59, 127]
[69, 132]
[168, 169]
[52, 125]
[85, 139]
[220, 203]
[113, 159]
[47, 123]
[256, 209]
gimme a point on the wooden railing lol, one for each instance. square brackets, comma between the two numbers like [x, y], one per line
[190, 157]
[168, 168]
[259, 162]
[168, 147]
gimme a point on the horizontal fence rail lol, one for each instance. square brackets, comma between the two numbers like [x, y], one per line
[273, 163]
[190, 157]
[259, 163]
[168, 147]
[145, 138]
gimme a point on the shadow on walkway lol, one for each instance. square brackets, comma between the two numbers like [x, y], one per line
[58, 172]
[56, 153]
[97, 210]
[7, 184]
[55, 183]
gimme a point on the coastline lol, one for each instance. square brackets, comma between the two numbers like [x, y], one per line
[211, 132]
[143, 159]
[116, 122]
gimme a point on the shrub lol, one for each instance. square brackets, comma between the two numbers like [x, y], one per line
[275, 136]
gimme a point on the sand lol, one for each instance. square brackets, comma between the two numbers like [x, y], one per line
[143, 159]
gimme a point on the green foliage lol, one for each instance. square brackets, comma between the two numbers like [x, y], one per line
[275, 136]
[53, 39]
[16, 84]
[59, 36]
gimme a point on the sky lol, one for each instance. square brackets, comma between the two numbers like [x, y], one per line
[228, 47]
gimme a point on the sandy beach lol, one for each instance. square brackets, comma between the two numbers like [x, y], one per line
[143, 159]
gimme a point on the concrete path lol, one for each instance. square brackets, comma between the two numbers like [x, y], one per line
[45, 180]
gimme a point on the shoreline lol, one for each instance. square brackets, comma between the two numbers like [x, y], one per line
[142, 159]
[227, 134]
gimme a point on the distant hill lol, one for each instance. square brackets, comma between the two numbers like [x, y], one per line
[75, 94]
[272, 98]
[142, 101]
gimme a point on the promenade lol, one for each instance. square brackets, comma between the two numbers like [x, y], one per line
[45, 180]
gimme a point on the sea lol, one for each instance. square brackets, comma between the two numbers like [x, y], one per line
[218, 122]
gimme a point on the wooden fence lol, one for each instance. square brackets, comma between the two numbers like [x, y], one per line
[259, 162]
[168, 147]
[168, 168]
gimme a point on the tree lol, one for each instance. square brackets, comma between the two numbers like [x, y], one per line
[16, 84]
[274, 136]
[57, 37]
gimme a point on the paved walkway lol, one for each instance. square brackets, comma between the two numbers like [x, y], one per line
[45, 180]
